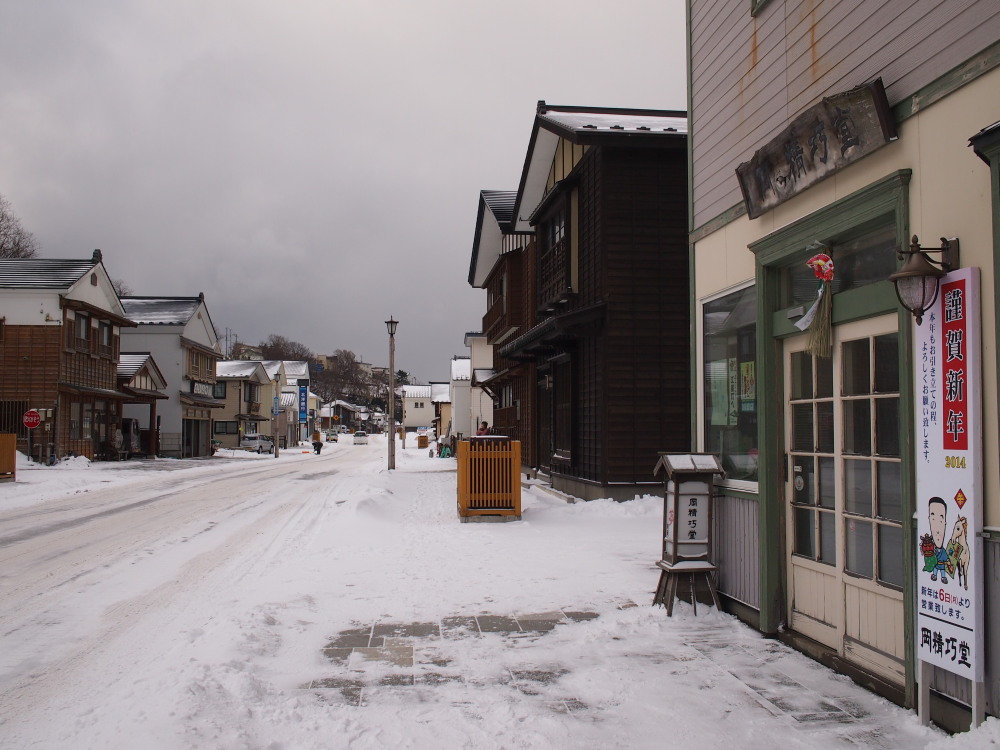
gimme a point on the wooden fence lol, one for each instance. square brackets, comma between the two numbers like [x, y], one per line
[489, 477]
[8, 457]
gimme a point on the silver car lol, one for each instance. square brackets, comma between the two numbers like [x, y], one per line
[361, 437]
[258, 443]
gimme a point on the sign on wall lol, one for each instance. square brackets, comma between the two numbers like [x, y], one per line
[949, 483]
[303, 404]
[824, 139]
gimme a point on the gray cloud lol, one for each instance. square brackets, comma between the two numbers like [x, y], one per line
[312, 166]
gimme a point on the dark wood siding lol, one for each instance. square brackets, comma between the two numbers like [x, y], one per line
[630, 363]
[752, 76]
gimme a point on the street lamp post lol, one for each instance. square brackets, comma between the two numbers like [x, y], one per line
[390, 325]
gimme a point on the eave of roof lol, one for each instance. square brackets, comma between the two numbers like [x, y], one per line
[587, 126]
[161, 310]
[493, 221]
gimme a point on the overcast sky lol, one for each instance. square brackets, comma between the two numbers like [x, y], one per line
[312, 166]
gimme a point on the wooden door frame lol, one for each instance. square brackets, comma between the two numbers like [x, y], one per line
[774, 253]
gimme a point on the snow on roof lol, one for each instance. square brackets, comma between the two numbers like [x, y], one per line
[620, 121]
[416, 391]
[236, 368]
[441, 393]
[42, 273]
[296, 368]
[586, 126]
[129, 363]
[161, 310]
[461, 368]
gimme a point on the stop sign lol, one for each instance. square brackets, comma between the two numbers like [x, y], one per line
[31, 419]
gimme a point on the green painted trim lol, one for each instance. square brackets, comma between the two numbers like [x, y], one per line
[856, 304]
[714, 225]
[774, 253]
[693, 344]
[977, 65]
[888, 195]
[721, 489]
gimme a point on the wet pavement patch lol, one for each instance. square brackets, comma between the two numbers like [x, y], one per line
[376, 659]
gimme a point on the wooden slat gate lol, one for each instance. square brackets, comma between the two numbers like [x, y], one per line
[489, 477]
[8, 457]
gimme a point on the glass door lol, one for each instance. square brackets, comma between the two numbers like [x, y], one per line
[843, 494]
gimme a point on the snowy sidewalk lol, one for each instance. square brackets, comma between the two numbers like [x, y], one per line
[544, 657]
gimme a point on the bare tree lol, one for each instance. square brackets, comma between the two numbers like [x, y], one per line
[121, 288]
[343, 378]
[279, 347]
[15, 240]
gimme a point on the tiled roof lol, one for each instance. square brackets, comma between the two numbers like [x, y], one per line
[130, 363]
[161, 310]
[441, 393]
[500, 204]
[42, 273]
[493, 222]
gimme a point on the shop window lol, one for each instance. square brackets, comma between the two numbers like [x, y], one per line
[866, 255]
[731, 382]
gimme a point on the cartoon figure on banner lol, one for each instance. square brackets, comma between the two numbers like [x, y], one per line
[818, 319]
[932, 545]
[958, 551]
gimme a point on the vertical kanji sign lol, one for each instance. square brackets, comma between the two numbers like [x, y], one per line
[949, 479]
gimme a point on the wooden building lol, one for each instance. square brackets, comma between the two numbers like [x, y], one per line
[179, 333]
[498, 266]
[842, 129]
[59, 342]
[601, 313]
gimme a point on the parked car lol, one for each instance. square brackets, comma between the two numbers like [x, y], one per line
[361, 437]
[258, 443]
[331, 436]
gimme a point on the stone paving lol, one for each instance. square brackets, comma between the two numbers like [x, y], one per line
[399, 655]
[396, 662]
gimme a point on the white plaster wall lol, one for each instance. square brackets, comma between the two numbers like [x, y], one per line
[102, 295]
[163, 342]
[29, 307]
[461, 414]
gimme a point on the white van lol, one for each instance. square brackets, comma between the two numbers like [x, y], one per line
[258, 443]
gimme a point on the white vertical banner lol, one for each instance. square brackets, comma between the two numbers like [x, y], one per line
[949, 479]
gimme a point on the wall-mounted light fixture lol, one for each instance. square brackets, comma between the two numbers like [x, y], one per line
[917, 282]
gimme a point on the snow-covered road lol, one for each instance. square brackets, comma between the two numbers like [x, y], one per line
[312, 602]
